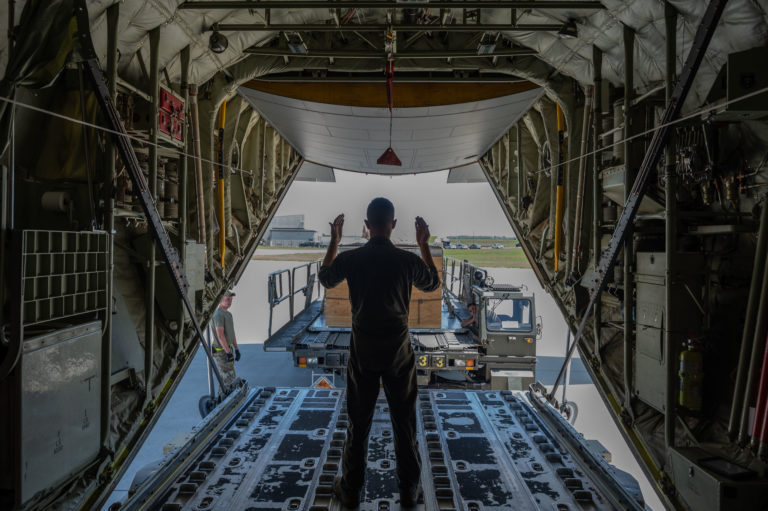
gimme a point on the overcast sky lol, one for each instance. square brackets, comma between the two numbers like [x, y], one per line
[449, 209]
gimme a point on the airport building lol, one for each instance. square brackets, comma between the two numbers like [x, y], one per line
[289, 231]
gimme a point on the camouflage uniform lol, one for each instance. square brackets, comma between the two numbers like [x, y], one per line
[226, 367]
[224, 320]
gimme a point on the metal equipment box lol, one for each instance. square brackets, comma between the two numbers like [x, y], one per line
[60, 406]
[707, 482]
[651, 324]
[194, 266]
[741, 76]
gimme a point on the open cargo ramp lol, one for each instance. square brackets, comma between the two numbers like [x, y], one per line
[279, 449]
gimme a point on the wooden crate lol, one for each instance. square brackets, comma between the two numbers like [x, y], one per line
[425, 308]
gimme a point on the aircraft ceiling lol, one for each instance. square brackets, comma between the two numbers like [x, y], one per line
[742, 26]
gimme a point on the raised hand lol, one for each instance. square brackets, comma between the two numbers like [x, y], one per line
[422, 231]
[336, 228]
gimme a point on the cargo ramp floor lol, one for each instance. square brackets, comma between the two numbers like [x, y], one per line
[279, 449]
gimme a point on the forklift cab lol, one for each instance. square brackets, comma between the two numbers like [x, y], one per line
[506, 320]
[506, 328]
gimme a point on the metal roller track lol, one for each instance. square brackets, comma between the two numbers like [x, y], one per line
[282, 449]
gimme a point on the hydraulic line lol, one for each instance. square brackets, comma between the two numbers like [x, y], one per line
[220, 162]
[582, 182]
[758, 267]
[597, 190]
[759, 430]
[520, 169]
[762, 435]
[149, 320]
[758, 341]
[113, 15]
[670, 236]
[87, 152]
[185, 58]
[559, 189]
[629, 179]
[197, 158]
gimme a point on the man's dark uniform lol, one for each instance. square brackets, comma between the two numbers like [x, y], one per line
[380, 277]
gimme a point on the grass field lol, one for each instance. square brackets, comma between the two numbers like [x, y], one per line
[266, 247]
[303, 257]
[485, 258]
[491, 258]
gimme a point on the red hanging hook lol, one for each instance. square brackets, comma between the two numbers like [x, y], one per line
[390, 74]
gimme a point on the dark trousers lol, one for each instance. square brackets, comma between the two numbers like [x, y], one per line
[399, 383]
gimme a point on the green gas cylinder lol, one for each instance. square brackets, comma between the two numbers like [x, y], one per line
[691, 376]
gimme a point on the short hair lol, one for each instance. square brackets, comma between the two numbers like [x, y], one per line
[380, 212]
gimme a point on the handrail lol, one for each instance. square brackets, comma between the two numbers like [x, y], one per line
[275, 280]
[308, 286]
[278, 294]
[449, 279]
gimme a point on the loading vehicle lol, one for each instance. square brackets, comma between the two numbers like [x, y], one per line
[497, 351]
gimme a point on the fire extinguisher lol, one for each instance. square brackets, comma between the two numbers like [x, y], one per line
[691, 376]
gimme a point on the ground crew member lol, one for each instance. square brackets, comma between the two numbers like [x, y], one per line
[225, 351]
[380, 277]
[472, 319]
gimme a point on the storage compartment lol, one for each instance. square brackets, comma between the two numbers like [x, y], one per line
[708, 482]
[59, 406]
[650, 372]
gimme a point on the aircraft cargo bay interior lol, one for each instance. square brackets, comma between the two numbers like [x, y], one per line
[590, 268]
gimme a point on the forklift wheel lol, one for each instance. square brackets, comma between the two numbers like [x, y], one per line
[205, 405]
